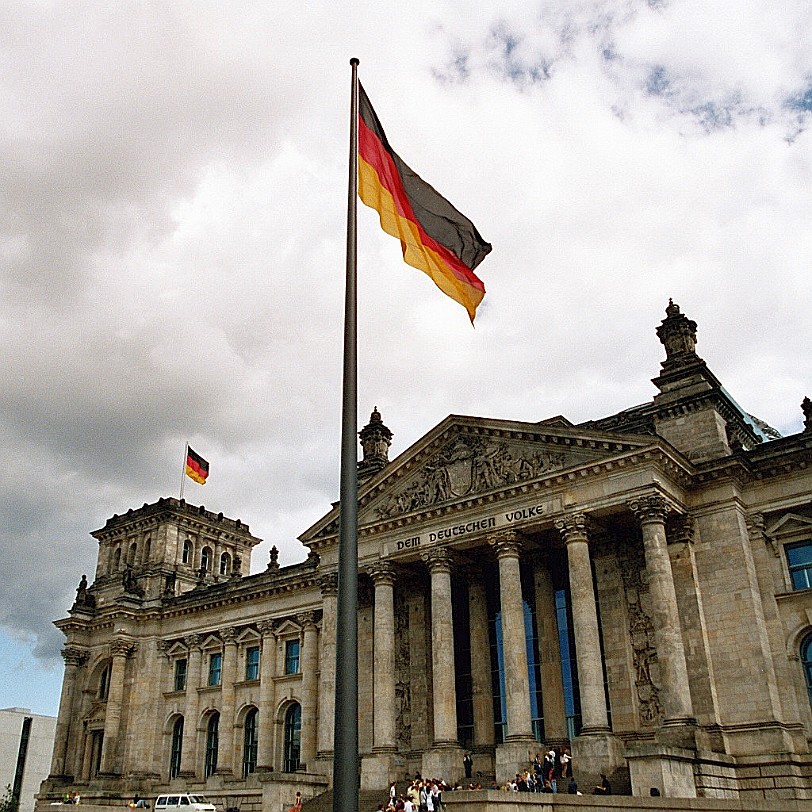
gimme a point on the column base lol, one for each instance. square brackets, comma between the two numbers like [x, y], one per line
[379, 769]
[595, 753]
[513, 756]
[680, 733]
[443, 761]
[670, 769]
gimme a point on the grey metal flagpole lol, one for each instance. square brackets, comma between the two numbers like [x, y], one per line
[183, 469]
[345, 739]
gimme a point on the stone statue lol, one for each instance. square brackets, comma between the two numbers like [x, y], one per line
[273, 559]
[130, 582]
[806, 408]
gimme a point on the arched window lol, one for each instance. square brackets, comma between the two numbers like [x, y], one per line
[249, 747]
[131, 553]
[116, 560]
[806, 662]
[104, 682]
[187, 552]
[205, 558]
[293, 733]
[147, 550]
[212, 744]
[225, 563]
[176, 748]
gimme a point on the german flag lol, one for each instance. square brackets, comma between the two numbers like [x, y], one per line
[196, 467]
[435, 237]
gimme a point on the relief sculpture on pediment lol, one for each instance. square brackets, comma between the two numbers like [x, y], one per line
[469, 465]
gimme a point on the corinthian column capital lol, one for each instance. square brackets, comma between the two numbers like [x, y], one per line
[229, 634]
[266, 627]
[507, 543]
[328, 583]
[192, 641]
[438, 559]
[381, 572]
[73, 655]
[573, 527]
[307, 620]
[649, 508]
[121, 647]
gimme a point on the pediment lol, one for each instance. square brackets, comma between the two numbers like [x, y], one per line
[287, 628]
[790, 524]
[177, 650]
[464, 458]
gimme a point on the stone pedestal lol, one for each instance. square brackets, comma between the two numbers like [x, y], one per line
[513, 757]
[595, 754]
[670, 769]
[379, 770]
[443, 762]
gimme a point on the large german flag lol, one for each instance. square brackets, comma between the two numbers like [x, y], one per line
[435, 237]
[196, 467]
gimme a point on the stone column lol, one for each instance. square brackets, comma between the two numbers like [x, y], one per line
[74, 658]
[445, 757]
[594, 718]
[194, 664]
[378, 769]
[310, 687]
[508, 546]
[120, 649]
[552, 697]
[383, 577]
[651, 511]
[225, 756]
[327, 659]
[481, 686]
[266, 695]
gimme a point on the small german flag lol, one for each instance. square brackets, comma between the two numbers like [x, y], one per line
[196, 467]
[435, 237]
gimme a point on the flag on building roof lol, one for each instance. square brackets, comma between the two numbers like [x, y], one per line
[435, 237]
[196, 467]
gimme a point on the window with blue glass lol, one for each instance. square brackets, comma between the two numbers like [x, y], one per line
[292, 738]
[806, 662]
[180, 674]
[215, 668]
[212, 744]
[799, 558]
[252, 662]
[292, 657]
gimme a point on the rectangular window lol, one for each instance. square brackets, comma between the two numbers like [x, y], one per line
[180, 674]
[799, 558]
[292, 657]
[215, 668]
[252, 662]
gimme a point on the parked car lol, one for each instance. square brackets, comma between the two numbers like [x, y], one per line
[177, 801]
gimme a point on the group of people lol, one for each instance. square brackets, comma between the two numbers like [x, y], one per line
[550, 772]
[71, 798]
[422, 795]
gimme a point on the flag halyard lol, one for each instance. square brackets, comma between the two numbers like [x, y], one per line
[435, 237]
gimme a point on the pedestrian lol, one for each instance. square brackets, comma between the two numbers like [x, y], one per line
[467, 763]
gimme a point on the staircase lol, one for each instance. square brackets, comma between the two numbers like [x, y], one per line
[368, 801]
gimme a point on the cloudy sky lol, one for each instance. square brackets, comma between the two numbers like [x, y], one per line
[172, 223]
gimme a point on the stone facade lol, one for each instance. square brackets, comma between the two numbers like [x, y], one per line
[634, 588]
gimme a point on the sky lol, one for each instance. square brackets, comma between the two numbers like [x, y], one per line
[173, 203]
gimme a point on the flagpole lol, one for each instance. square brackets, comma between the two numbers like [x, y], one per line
[183, 469]
[345, 736]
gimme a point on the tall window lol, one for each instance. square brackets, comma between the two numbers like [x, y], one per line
[205, 558]
[177, 748]
[252, 662]
[799, 558]
[116, 560]
[187, 552]
[131, 554]
[225, 563]
[293, 732]
[292, 657]
[180, 674]
[212, 744]
[104, 682]
[96, 744]
[806, 662]
[249, 748]
[147, 551]
[215, 668]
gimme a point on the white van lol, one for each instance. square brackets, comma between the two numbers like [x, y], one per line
[183, 801]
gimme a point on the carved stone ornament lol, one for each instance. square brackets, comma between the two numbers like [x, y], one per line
[680, 530]
[468, 465]
[806, 408]
[677, 334]
[74, 656]
[438, 560]
[192, 641]
[641, 633]
[119, 647]
[650, 508]
[507, 544]
[574, 527]
[267, 627]
[756, 528]
[229, 634]
[328, 583]
[382, 572]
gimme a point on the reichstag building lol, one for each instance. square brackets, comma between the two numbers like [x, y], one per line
[634, 589]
